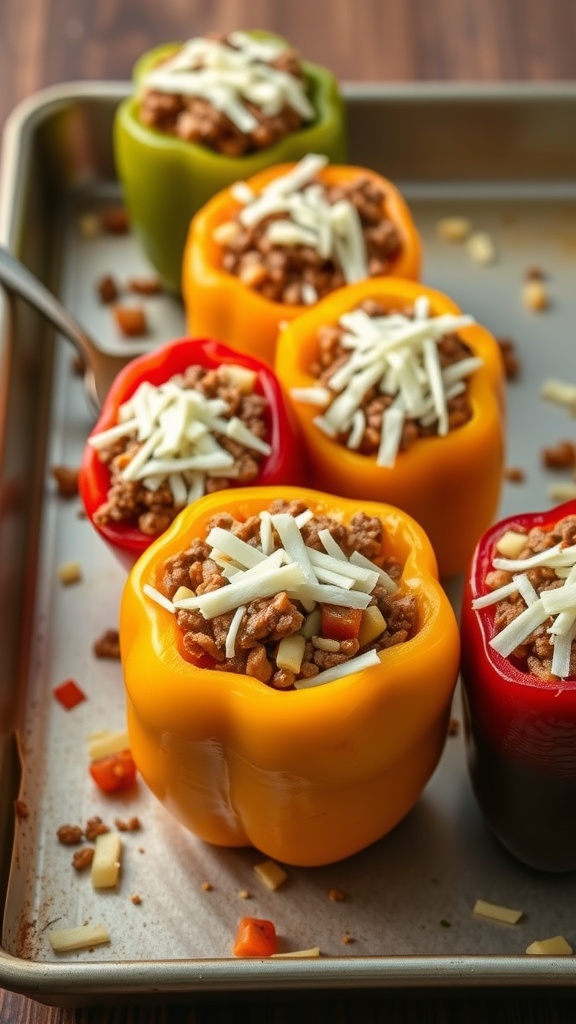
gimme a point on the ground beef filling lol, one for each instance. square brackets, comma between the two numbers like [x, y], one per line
[267, 620]
[152, 510]
[282, 273]
[535, 654]
[331, 355]
[195, 119]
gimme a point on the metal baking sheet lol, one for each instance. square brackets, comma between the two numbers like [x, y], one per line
[506, 158]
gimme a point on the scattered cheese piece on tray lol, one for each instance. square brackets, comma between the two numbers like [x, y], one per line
[106, 862]
[66, 940]
[496, 912]
[556, 946]
[298, 954]
[107, 741]
[69, 572]
[270, 873]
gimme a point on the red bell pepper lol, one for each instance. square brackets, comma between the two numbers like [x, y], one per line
[520, 729]
[283, 466]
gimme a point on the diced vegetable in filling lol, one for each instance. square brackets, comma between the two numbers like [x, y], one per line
[387, 378]
[234, 94]
[291, 597]
[201, 431]
[299, 239]
[532, 586]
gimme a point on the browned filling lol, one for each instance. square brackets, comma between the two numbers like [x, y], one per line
[195, 119]
[267, 620]
[331, 355]
[152, 510]
[535, 654]
[282, 273]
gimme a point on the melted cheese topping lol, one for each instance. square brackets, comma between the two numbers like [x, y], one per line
[398, 356]
[559, 603]
[230, 77]
[309, 576]
[175, 427]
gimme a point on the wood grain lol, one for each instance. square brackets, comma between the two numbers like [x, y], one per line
[48, 41]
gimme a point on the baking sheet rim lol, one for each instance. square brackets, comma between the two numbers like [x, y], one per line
[48, 981]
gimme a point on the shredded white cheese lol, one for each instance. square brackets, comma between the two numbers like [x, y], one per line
[557, 603]
[175, 427]
[233, 78]
[333, 229]
[399, 356]
[307, 575]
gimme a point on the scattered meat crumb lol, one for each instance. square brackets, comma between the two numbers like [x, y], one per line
[510, 358]
[95, 827]
[108, 645]
[207, 887]
[131, 825]
[347, 939]
[114, 220]
[453, 727]
[83, 858]
[560, 456]
[131, 320]
[136, 899]
[336, 895]
[534, 274]
[70, 835]
[514, 475]
[66, 479]
[107, 289]
[21, 809]
[244, 894]
[145, 285]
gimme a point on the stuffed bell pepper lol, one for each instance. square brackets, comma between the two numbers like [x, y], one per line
[519, 684]
[289, 665]
[265, 250]
[189, 418]
[400, 399]
[207, 113]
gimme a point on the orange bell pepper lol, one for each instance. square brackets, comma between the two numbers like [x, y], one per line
[308, 776]
[218, 304]
[451, 484]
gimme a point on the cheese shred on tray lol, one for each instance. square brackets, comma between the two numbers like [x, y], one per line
[199, 432]
[293, 598]
[385, 379]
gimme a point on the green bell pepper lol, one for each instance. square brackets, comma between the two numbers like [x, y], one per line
[166, 179]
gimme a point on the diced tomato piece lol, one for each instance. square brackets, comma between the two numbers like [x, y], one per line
[340, 623]
[255, 937]
[69, 694]
[114, 772]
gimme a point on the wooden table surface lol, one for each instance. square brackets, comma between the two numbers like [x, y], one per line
[48, 41]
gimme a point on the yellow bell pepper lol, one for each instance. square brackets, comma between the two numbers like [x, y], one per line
[451, 484]
[218, 304]
[308, 776]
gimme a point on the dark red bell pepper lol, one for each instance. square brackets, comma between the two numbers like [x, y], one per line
[520, 729]
[283, 466]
